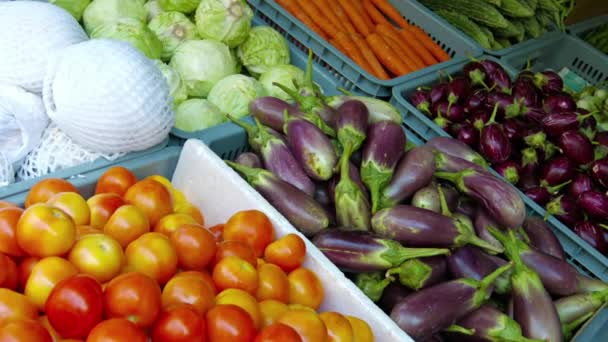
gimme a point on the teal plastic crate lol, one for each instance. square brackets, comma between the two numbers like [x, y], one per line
[580, 30]
[354, 77]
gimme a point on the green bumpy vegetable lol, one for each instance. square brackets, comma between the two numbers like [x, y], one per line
[494, 2]
[505, 42]
[511, 31]
[467, 26]
[516, 9]
[521, 31]
[532, 27]
[477, 10]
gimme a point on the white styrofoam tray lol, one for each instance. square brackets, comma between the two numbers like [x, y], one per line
[210, 184]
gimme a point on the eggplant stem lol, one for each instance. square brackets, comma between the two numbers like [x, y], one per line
[396, 254]
[493, 116]
[477, 241]
[460, 329]
[308, 79]
[443, 203]
[603, 226]
[569, 328]
[344, 91]
[490, 279]
[556, 188]
[294, 94]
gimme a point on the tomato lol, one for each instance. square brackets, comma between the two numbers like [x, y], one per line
[126, 224]
[83, 230]
[229, 323]
[168, 224]
[179, 199]
[278, 332]
[133, 296]
[271, 310]
[44, 230]
[287, 252]
[306, 322]
[218, 232]
[47, 273]
[188, 289]
[202, 275]
[152, 198]
[152, 254]
[272, 283]
[25, 269]
[5, 204]
[305, 288]
[117, 329]
[9, 272]
[117, 180]
[72, 204]
[24, 330]
[15, 305]
[194, 245]
[234, 272]
[237, 249]
[190, 209]
[75, 306]
[98, 255]
[243, 300]
[9, 217]
[44, 320]
[181, 323]
[102, 206]
[251, 227]
[338, 327]
[47, 188]
[361, 330]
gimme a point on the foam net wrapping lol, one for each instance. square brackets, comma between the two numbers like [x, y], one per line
[30, 32]
[108, 97]
[55, 152]
[7, 173]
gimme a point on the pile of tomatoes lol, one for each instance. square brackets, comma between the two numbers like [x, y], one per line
[135, 262]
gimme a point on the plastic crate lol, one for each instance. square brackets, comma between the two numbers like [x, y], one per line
[344, 68]
[581, 29]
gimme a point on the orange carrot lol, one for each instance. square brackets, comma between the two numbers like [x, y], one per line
[351, 9]
[294, 9]
[387, 56]
[407, 48]
[433, 48]
[421, 49]
[377, 17]
[369, 56]
[325, 10]
[353, 51]
[315, 14]
[400, 52]
[335, 6]
[366, 18]
[390, 11]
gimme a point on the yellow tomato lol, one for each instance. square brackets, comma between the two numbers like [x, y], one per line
[361, 330]
[126, 224]
[153, 255]
[72, 204]
[99, 256]
[168, 224]
[338, 327]
[270, 310]
[243, 300]
[44, 230]
[47, 273]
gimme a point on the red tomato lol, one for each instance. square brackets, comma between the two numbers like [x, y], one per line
[44, 230]
[251, 227]
[133, 296]
[9, 217]
[115, 180]
[287, 252]
[243, 300]
[154, 255]
[153, 198]
[9, 272]
[188, 289]
[117, 329]
[218, 232]
[305, 288]
[202, 275]
[229, 323]
[234, 272]
[15, 305]
[47, 273]
[126, 224]
[169, 223]
[235, 248]
[75, 306]
[194, 245]
[181, 323]
[278, 332]
[47, 188]
[272, 283]
[5, 204]
[102, 206]
[25, 269]
[24, 330]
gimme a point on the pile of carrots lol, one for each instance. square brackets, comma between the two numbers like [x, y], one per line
[363, 31]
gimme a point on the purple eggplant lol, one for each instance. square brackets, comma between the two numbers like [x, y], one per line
[476, 100]
[525, 92]
[558, 123]
[580, 183]
[574, 307]
[420, 273]
[592, 234]
[372, 284]
[595, 204]
[351, 125]
[354, 251]
[322, 194]
[513, 129]
[352, 205]
[476, 73]
[439, 92]
[576, 147]
[539, 194]
[493, 143]
[392, 295]
[479, 118]
[312, 148]
[458, 90]
[458, 149]
[507, 107]
[557, 171]
[427, 198]
[429, 311]
[467, 134]
[383, 148]
[533, 114]
[452, 196]
[481, 224]
[472, 262]
[455, 113]
[466, 206]
[549, 82]
[500, 79]
[599, 171]
[509, 170]
[448, 163]
[249, 159]
[528, 180]
[565, 209]
[421, 99]
[299, 208]
[439, 114]
[353, 173]
[420, 227]
[541, 237]
[271, 111]
[559, 102]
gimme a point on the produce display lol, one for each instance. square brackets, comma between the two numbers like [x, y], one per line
[498, 24]
[135, 262]
[363, 30]
[599, 38]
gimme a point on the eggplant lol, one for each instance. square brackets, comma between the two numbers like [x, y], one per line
[533, 114]
[599, 171]
[427, 198]
[378, 110]
[458, 149]
[351, 125]
[467, 134]
[448, 163]
[482, 221]
[513, 129]
[476, 100]
[298, 207]
[439, 113]
[322, 194]
[393, 294]
[479, 118]
[458, 90]
[574, 307]
[558, 123]
[559, 102]
[493, 143]
[271, 111]
[314, 110]
[549, 82]
[592, 234]
[500, 79]
[372, 284]
[525, 92]
[557, 171]
[249, 159]
[541, 237]
[420, 273]
[565, 209]
[420, 227]
[580, 183]
[353, 173]
[509, 170]
[429, 311]
[354, 251]
[312, 148]
[472, 262]
[455, 113]
[507, 107]
[476, 73]
[451, 195]
[595, 204]
[540, 195]
[466, 206]
[576, 147]
[352, 205]
[421, 99]
[439, 92]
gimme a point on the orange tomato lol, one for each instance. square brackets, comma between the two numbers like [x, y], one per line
[25, 269]
[243, 300]
[126, 224]
[251, 227]
[338, 327]
[202, 275]
[47, 188]
[23, 329]
[152, 198]
[190, 209]
[194, 245]
[234, 272]
[229, 323]
[218, 232]
[361, 330]
[278, 333]
[168, 224]
[305, 288]
[15, 305]
[152, 254]
[9, 217]
[98, 255]
[271, 310]
[44, 320]
[102, 206]
[5, 204]
[188, 289]
[44, 230]
[47, 273]
[115, 180]
[181, 323]
[116, 329]
[83, 230]
[272, 283]
[133, 296]
[287, 252]
[72, 204]
[306, 323]
[234, 248]
[9, 272]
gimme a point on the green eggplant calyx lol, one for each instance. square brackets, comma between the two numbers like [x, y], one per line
[253, 136]
[568, 329]
[529, 156]
[513, 110]
[554, 207]
[507, 330]
[264, 137]
[460, 329]
[395, 254]
[513, 247]
[251, 175]
[456, 178]
[319, 122]
[511, 175]
[492, 116]
[372, 284]
[376, 178]
[412, 273]
[477, 77]
[352, 208]
[466, 235]
[536, 140]
[443, 203]
[550, 150]
[556, 188]
[351, 136]
[482, 293]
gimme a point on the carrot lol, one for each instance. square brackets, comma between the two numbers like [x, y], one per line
[421, 49]
[315, 14]
[435, 49]
[377, 17]
[407, 48]
[324, 9]
[390, 11]
[400, 52]
[364, 15]
[387, 56]
[369, 56]
[294, 9]
[355, 16]
[352, 51]
[335, 6]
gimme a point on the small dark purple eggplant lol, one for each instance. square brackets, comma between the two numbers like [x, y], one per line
[592, 234]
[549, 82]
[558, 123]
[540, 195]
[493, 143]
[472, 262]
[427, 198]
[580, 183]
[576, 147]
[481, 224]
[595, 204]
[439, 112]
[500, 79]
[507, 107]
[458, 90]
[509, 170]
[479, 118]
[530, 161]
[468, 134]
[513, 129]
[599, 171]
[533, 114]
[541, 237]
[565, 209]
[271, 111]
[421, 99]
[476, 100]
[559, 102]
[491, 66]
[322, 194]
[557, 171]
[525, 92]
[476, 73]
[372, 284]
[458, 149]
[249, 159]
[455, 113]
[392, 295]
[439, 92]
[420, 273]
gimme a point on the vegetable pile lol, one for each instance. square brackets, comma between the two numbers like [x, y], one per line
[599, 38]
[135, 262]
[362, 30]
[498, 24]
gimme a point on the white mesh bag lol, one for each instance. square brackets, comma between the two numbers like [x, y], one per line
[7, 174]
[30, 32]
[55, 152]
[108, 97]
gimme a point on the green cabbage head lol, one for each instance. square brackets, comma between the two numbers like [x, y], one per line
[284, 74]
[172, 28]
[152, 9]
[184, 6]
[234, 93]
[197, 114]
[75, 7]
[177, 88]
[228, 21]
[263, 49]
[101, 12]
[134, 32]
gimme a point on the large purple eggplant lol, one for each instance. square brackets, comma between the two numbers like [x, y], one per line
[541, 237]
[353, 251]
[576, 147]
[392, 295]
[300, 209]
[557, 171]
[427, 198]
[312, 148]
[549, 82]
[271, 111]
[592, 234]
[481, 223]
[420, 273]
[421, 99]
[429, 311]
[573, 307]
[448, 163]
[352, 206]
[472, 262]
[559, 102]
[351, 125]
[493, 143]
[372, 284]
[249, 159]
[565, 208]
[379, 110]
[595, 204]
[458, 149]
[580, 183]
[599, 171]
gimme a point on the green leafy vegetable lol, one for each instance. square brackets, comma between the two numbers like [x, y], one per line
[184, 6]
[153, 9]
[172, 28]
[134, 32]
[197, 114]
[287, 75]
[102, 12]
[75, 7]
[234, 93]
[263, 49]
[228, 21]
[177, 88]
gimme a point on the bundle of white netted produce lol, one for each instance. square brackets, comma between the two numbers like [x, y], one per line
[7, 174]
[108, 97]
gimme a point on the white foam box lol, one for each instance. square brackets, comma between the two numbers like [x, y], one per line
[219, 192]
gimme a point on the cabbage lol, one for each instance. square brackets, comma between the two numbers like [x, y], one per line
[75, 7]
[177, 88]
[152, 9]
[134, 32]
[228, 21]
[201, 64]
[103, 11]
[234, 93]
[197, 114]
[286, 75]
[172, 28]
[184, 6]
[263, 49]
